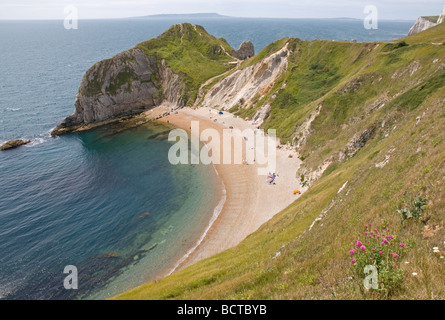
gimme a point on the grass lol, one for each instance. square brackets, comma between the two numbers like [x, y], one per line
[358, 89]
[192, 53]
[432, 18]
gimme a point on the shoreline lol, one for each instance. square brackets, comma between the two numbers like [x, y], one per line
[249, 201]
[216, 212]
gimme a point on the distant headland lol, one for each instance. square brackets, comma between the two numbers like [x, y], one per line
[183, 16]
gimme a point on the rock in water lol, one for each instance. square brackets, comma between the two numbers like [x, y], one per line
[245, 51]
[13, 144]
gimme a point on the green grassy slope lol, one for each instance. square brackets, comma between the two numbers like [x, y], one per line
[192, 53]
[395, 91]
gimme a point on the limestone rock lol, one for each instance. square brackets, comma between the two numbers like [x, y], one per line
[421, 24]
[248, 83]
[126, 84]
[442, 17]
[245, 51]
[13, 144]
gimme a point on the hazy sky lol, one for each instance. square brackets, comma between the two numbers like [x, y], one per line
[92, 9]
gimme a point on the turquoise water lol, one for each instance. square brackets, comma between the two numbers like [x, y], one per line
[82, 199]
[90, 196]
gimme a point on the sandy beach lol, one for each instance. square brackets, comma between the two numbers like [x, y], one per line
[250, 200]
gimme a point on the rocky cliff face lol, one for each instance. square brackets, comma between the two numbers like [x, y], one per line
[442, 17]
[126, 84]
[245, 51]
[421, 24]
[243, 85]
[424, 23]
[167, 69]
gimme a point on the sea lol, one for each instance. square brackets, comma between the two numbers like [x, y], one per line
[109, 206]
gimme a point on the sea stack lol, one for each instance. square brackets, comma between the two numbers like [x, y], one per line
[245, 51]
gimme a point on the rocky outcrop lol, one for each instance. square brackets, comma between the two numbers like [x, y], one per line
[246, 84]
[442, 17]
[422, 24]
[13, 144]
[126, 84]
[245, 51]
[303, 130]
[262, 114]
[357, 143]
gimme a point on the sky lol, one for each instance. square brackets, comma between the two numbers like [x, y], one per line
[104, 9]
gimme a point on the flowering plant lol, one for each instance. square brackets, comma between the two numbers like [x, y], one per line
[381, 249]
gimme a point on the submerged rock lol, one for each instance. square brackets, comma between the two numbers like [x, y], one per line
[13, 144]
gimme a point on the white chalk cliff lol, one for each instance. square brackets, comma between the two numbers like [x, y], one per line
[424, 23]
[243, 85]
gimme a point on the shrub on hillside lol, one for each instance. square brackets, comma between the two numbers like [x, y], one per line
[382, 250]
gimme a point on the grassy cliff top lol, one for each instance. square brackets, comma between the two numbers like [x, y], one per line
[431, 18]
[192, 53]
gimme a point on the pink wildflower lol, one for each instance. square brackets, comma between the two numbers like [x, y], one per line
[363, 248]
[353, 260]
[402, 245]
[352, 252]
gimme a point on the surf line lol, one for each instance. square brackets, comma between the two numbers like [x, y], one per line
[215, 215]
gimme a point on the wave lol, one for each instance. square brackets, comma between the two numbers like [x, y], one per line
[35, 142]
[216, 213]
[44, 137]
